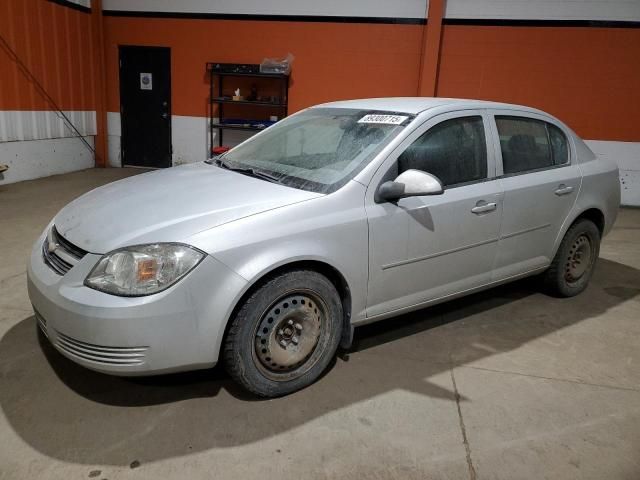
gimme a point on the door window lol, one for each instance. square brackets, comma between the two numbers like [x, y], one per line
[529, 144]
[559, 145]
[455, 151]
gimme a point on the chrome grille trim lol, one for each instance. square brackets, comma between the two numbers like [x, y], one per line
[66, 245]
[64, 256]
[53, 261]
[125, 356]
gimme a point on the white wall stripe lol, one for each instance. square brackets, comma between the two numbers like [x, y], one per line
[602, 10]
[40, 158]
[352, 8]
[17, 125]
[609, 10]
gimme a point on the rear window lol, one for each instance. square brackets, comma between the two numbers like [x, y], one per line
[528, 144]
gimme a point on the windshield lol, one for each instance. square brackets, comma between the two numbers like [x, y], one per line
[319, 149]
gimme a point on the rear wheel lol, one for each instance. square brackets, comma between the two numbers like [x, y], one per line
[285, 334]
[573, 265]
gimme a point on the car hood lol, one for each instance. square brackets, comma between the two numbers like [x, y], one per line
[168, 206]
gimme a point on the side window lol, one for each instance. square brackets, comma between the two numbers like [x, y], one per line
[455, 151]
[529, 144]
[559, 145]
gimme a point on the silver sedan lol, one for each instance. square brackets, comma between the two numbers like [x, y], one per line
[268, 256]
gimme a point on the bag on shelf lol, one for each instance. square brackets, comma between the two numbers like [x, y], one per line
[275, 65]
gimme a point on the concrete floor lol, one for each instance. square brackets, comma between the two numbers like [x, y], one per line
[505, 384]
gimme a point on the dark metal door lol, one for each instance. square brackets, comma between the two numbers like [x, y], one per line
[145, 106]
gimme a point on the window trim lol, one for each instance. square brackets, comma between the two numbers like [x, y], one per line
[493, 113]
[487, 139]
[566, 139]
[534, 170]
[386, 169]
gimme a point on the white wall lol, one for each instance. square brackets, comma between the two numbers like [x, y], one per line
[612, 10]
[189, 139]
[113, 139]
[39, 143]
[40, 158]
[17, 125]
[351, 8]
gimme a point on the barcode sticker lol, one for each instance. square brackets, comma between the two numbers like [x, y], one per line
[383, 119]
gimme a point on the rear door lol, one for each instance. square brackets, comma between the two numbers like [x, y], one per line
[145, 106]
[541, 180]
[424, 248]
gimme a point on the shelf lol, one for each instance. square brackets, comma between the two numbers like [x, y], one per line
[248, 102]
[278, 84]
[264, 75]
[238, 127]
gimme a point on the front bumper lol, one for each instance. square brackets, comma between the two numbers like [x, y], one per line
[180, 328]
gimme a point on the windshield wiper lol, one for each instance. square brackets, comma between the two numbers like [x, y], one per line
[247, 171]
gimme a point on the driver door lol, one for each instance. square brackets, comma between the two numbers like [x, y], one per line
[425, 248]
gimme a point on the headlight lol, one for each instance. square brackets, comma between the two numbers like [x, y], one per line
[143, 269]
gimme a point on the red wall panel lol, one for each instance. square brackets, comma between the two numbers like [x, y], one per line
[54, 43]
[333, 60]
[588, 77]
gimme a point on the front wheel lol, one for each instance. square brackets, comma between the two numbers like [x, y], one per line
[285, 333]
[573, 265]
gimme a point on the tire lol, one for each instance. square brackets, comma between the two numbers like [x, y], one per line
[573, 265]
[285, 333]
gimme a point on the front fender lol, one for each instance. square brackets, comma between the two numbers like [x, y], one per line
[331, 230]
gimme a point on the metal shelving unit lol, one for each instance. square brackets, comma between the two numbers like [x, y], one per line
[218, 99]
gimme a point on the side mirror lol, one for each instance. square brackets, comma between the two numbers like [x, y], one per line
[411, 183]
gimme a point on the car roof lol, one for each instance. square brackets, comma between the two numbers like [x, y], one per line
[415, 105]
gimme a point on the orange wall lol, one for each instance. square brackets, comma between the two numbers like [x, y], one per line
[333, 60]
[588, 77]
[55, 43]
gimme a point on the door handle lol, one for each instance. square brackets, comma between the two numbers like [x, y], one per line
[483, 207]
[563, 189]
[165, 115]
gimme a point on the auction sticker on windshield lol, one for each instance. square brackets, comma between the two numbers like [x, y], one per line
[383, 119]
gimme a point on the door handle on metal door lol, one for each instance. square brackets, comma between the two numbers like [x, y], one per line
[563, 189]
[483, 207]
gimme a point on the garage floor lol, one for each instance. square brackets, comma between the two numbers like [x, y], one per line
[505, 384]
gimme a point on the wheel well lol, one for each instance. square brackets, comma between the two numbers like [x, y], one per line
[595, 215]
[334, 276]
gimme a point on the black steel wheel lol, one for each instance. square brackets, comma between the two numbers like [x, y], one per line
[579, 261]
[285, 333]
[573, 265]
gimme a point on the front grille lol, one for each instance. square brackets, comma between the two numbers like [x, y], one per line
[68, 247]
[125, 356]
[54, 262]
[63, 256]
